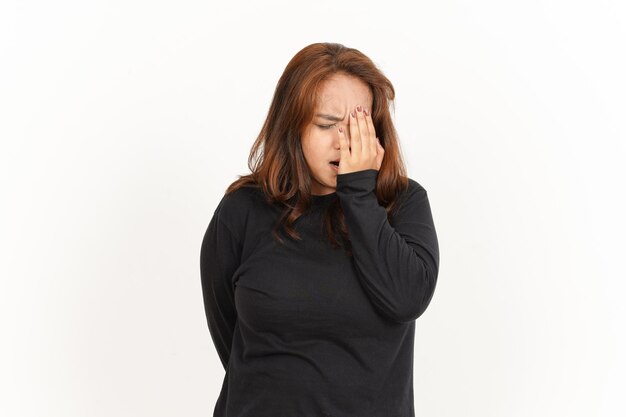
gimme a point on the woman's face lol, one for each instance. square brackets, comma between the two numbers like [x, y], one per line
[338, 96]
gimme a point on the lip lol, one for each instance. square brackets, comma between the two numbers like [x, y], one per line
[334, 167]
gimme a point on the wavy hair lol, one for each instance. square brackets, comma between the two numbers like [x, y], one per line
[276, 160]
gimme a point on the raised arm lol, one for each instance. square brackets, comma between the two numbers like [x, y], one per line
[398, 265]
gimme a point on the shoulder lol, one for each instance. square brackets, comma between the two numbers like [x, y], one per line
[234, 208]
[411, 202]
[238, 200]
[415, 186]
[413, 191]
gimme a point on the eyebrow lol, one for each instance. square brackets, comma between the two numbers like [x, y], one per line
[330, 117]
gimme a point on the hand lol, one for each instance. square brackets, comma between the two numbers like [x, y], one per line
[367, 152]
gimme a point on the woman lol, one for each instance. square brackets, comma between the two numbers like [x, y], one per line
[315, 266]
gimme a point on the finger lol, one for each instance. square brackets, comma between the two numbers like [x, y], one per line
[366, 145]
[372, 132]
[344, 150]
[381, 153]
[355, 136]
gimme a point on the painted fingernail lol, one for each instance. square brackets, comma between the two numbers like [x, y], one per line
[366, 112]
[340, 129]
[352, 114]
[359, 108]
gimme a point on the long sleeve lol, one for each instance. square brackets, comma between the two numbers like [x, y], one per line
[398, 265]
[219, 258]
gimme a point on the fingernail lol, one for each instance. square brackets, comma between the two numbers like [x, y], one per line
[352, 114]
[359, 108]
[366, 112]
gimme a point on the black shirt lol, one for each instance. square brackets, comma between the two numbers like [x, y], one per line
[303, 330]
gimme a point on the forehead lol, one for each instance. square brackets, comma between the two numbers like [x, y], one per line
[341, 93]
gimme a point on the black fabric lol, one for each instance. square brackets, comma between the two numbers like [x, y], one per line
[303, 330]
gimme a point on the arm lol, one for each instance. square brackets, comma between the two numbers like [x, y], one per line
[398, 265]
[219, 258]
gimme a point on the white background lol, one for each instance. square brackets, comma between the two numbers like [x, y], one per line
[122, 123]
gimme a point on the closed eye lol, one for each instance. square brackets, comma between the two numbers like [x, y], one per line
[326, 126]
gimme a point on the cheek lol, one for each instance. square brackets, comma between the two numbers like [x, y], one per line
[317, 147]
[311, 155]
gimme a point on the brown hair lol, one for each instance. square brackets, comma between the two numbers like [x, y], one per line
[280, 170]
